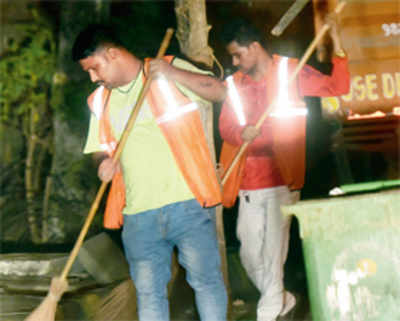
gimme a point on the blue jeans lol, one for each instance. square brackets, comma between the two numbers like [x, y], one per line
[149, 238]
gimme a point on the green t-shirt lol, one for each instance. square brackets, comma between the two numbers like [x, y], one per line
[151, 175]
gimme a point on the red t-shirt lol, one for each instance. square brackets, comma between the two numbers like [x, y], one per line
[261, 170]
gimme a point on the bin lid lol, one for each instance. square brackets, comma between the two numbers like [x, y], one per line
[329, 218]
[364, 187]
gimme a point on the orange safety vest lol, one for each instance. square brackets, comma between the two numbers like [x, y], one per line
[181, 126]
[288, 136]
[98, 104]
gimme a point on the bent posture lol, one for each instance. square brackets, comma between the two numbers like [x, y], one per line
[165, 183]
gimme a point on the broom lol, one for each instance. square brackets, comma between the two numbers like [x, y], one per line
[268, 111]
[47, 309]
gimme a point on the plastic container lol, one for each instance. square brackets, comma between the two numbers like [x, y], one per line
[351, 247]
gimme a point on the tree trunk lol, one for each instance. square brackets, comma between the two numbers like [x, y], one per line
[192, 30]
[30, 191]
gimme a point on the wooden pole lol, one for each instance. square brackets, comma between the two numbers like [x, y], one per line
[269, 109]
[288, 17]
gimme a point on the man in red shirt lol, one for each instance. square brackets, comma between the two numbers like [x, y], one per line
[264, 184]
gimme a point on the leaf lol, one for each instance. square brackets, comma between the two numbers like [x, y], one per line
[28, 68]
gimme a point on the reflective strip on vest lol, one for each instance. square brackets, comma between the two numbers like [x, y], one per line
[108, 147]
[98, 102]
[106, 144]
[173, 114]
[174, 111]
[286, 106]
[166, 92]
[236, 102]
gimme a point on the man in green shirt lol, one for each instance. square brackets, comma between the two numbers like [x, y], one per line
[163, 207]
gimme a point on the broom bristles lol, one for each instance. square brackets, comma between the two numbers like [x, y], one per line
[120, 304]
[46, 311]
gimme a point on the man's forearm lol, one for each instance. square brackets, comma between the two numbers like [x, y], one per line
[205, 86]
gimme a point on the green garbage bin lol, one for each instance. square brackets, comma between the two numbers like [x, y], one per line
[351, 247]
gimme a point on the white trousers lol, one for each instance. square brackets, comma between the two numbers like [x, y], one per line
[264, 236]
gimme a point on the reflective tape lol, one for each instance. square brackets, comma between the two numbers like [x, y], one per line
[236, 101]
[286, 105]
[98, 102]
[108, 147]
[175, 113]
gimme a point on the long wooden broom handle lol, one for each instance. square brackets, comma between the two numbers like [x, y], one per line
[288, 17]
[121, 144]
[293, 76]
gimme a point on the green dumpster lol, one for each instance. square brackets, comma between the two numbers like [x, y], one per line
[351, 248]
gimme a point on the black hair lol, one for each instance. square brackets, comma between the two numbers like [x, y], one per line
[241, 31]
[92, 38]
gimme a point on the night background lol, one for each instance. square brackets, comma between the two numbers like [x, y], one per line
[44, 96]
[47, 185]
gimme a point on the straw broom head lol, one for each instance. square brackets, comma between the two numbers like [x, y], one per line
[46, 311]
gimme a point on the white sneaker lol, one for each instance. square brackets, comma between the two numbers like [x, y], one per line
[289, 301]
